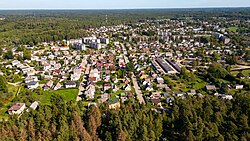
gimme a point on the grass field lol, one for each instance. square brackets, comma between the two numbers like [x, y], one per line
[233, 28]
[68, 95]
[6, 102]
[44, 98]
[186, 86]
[12, 90]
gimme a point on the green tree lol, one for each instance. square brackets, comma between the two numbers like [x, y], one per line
[9, 55]
[1, 51]
[3, 84]
[216, 56]
[26, 54]
[130, 67]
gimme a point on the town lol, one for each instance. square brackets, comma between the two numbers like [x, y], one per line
[155, 61]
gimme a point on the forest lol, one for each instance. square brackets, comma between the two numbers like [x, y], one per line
[206, 117]
[192, 118]
[32, 27]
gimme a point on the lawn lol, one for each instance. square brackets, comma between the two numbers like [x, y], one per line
[12, 90]
[6, 102]
[245, 72]
[186, 86]
[233, 28]
[68, 95]
[3, 114]
[44, 98]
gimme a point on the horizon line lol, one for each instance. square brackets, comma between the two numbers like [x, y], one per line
[133, 8]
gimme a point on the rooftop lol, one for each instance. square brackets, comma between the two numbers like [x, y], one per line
[16, 106]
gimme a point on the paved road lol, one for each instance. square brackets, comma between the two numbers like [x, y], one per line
[137, 90]
[78, 98]
[136, 86]
[239, 67]
[81, 88]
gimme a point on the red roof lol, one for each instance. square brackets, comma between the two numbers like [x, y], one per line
[99, 64]
[106, 84]
[122, 64]
[16, 106]
[112, 66]
[92, 79]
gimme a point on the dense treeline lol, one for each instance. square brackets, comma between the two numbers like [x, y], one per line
[35, 26]
[217, 72]
[208, 118]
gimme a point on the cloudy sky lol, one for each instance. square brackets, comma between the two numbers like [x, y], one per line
[118, 4]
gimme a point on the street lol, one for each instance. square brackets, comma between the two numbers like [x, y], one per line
[137, 90]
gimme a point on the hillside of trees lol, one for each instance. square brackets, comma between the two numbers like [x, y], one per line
[207, 118]
[35, 26]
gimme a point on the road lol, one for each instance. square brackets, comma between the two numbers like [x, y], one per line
[137, 90]
[79, 98]
[239, 67]
[136, 86]
[81, 88]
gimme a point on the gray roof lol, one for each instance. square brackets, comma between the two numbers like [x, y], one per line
[210, 87]
[164, 65]
[174, 65]
[32, 83]
[70, 83]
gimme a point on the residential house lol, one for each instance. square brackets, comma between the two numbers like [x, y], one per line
[92, 79]
[127, 87]
[160, 80]
[238, 87]
[104, 40]
[33, 106]
[31, 78]
[64, 48]
[129, 95]
[32, 84]
[17, 108]
[114, 103]
[123, 99]
[90, 92]
[104, 97]
[94, 73]
[156, 101]
[179, 93]
[58, 86]
[92, 104]
[46, 88]
[75, 77]
[192, 92]
[210, 88]
[50, 83]
[48, 76]
[106, 87]
[46, 66]
[30, 73]
[149, 88]
[15, 62]
[229, 97]
[70, 84]
[155, 95]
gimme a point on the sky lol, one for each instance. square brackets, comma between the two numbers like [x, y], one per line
[119, 4]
